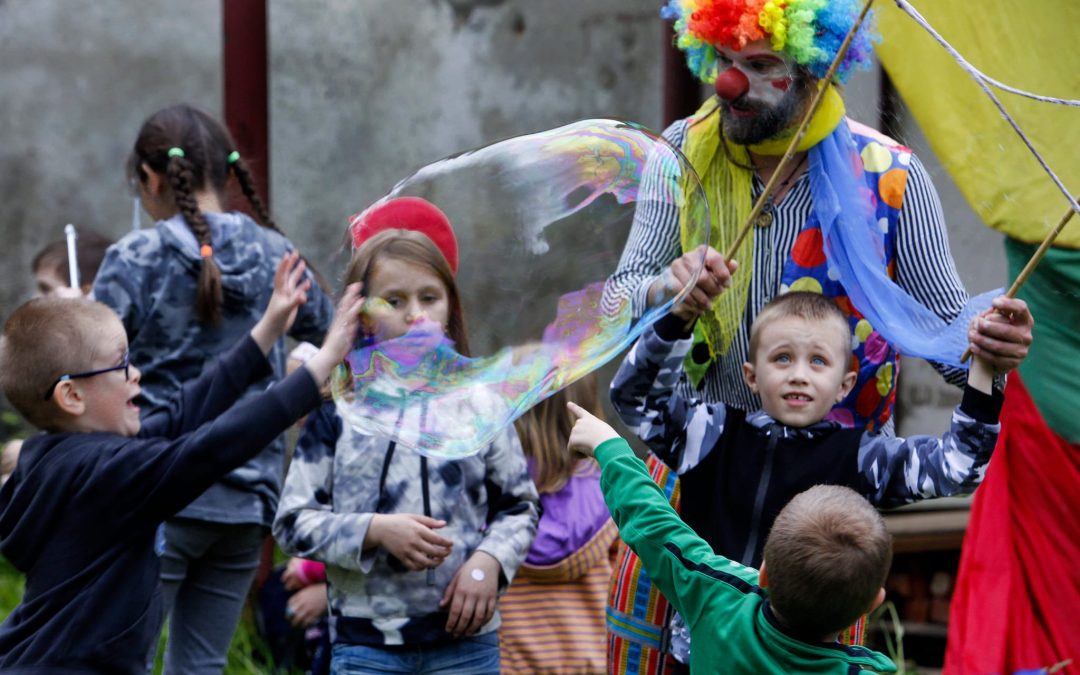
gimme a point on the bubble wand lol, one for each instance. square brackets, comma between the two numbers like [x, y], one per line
[790, 152]
[73, 256]
[1031, 265]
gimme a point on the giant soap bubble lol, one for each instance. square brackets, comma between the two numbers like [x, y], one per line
[541, 222]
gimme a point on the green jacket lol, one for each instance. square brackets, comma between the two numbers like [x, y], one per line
[732, 629]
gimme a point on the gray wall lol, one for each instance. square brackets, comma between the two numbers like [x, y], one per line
[363, 92]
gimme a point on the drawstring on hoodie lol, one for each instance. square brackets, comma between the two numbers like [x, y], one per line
[430, 576]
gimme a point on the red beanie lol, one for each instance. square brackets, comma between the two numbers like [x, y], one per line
[407, 213]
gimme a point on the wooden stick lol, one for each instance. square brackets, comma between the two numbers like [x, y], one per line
[1031, 265]
[818, 96]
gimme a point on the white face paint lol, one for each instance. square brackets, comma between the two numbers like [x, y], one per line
[769, 75]
[760, 92]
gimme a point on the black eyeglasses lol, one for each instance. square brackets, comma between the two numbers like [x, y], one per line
[124, 365]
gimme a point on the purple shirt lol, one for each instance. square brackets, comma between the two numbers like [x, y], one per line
[572, 516]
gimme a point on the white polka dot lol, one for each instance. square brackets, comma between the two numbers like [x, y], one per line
[904, 158]
[883, 225]
[855, 342]
[784, 288]
[834, 274]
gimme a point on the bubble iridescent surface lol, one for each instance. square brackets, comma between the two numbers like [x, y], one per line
[541, 223]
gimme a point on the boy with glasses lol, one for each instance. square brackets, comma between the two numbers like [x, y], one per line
[78, 515]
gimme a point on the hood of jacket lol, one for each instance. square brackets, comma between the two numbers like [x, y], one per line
[238, 255]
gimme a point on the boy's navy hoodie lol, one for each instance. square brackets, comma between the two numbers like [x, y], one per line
[79, 515]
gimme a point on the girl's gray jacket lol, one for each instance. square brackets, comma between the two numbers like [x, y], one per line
[150, 278]
[340, 478]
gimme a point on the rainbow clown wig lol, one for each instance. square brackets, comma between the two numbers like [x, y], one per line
[808, 31]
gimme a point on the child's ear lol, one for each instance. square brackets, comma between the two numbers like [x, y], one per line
[763, 577]
[846, 385]
[878, 600]
[155, 182]
[750, 376]
[69, 398]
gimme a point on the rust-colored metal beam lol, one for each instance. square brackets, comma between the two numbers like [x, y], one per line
[682, 91]
[246, 82]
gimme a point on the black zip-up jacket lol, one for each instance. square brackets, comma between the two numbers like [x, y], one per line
[739, 469]
[79, 514]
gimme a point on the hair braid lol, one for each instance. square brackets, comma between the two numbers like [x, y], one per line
[181, 178]
[247, 185]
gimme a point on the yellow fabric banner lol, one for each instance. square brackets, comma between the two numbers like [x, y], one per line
[1032, 45]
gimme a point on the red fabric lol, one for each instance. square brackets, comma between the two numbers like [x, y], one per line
[1017, 600]
[407, 213]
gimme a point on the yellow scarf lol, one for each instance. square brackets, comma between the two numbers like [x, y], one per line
[728, 188]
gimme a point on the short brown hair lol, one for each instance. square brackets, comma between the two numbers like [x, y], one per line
[90, 248]
[802, 304]
[826, 557]
[43, 339]
[413, 247]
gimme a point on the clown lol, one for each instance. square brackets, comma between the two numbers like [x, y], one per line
[847, 188]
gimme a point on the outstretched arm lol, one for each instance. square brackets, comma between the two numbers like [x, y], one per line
[903, 470]
[680, 562]
[678, 430]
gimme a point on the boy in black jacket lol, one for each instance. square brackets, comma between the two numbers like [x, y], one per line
[80, 512]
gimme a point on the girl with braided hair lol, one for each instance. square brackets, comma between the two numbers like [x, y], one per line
[185, 290]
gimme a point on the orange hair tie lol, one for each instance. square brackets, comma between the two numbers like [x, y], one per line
[206, 251]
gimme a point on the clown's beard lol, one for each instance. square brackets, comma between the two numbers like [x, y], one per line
[767, 120]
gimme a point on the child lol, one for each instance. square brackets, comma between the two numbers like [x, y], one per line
[416, 548]
[561, 588]
[738, 469]
[826, 558]
[80, 513]
[185, 290]
[51, 277]
[50, 265]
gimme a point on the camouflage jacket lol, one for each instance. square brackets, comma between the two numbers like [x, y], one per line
[339, 478]
[750, 465]
[150, 278]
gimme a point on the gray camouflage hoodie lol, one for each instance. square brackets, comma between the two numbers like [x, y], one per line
[339, 478]
[150, 278]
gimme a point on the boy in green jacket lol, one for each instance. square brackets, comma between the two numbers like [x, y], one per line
[825, 561]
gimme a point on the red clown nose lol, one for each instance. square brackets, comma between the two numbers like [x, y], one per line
[731, 84]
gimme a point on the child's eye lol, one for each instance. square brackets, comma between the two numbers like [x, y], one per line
[783, 358]
[393, 302]
[430, 299]
[818, 361]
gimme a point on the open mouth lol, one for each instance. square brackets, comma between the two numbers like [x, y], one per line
[797, 398]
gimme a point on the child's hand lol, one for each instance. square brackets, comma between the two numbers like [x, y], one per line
[306, 605]
[588, 432]
[1002, 336]
[339, 339]
[290, 291]
[409, 537]
[472, 594]
[291, 576]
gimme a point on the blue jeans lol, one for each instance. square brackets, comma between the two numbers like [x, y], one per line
[474, 655]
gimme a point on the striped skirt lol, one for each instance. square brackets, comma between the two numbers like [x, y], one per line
[553, 615]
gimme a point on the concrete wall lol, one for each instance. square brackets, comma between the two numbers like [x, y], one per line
[393, 86]
[363, 92]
